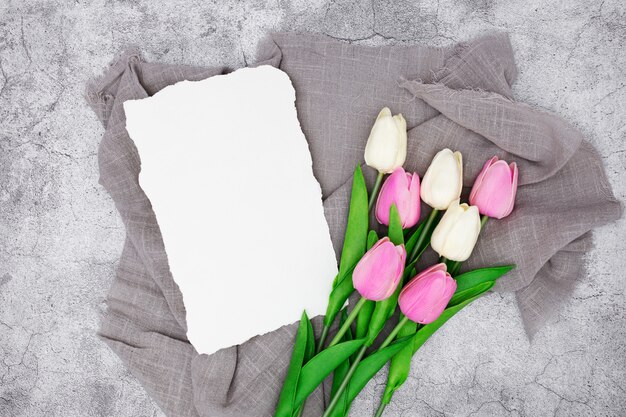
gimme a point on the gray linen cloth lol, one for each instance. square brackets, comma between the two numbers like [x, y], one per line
[458, 97]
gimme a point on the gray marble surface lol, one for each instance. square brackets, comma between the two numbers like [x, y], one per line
[60, 236]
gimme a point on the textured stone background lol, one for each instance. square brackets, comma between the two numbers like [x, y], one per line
[61, 237]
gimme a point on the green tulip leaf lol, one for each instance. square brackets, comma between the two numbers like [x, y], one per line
[395, 226]
[383, 311]
[321, 365]
[472, 278]
[363, 319]
[286, 406]
[355, 238]
[463, 295]
[338, 297]
[354, 244]
[309, 351]
[400, 365]
[372, 238]
[410, 243]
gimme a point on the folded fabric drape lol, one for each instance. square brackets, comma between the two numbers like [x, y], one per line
[458, 97]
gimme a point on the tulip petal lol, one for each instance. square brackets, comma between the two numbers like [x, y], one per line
[443, 180]
[384, 112]
[378, 273]
[456, 234]
[442, 230]
[480, 177]
[514, 174]
[413, 202]
[386, 146]
[437, 267]
[495, 188]
[493, 196]
[425, 297]
[401, 189]
[463, 235]
[402, 139]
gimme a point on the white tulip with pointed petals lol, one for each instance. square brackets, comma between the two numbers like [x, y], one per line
[443, 181]
[386, 146]
[456, 234]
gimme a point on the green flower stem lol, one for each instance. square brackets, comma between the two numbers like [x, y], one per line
[456, 266]
[394, 333]
[483, 220]
[300, 410]
[323, 336]
[344, 383]
[346, 325]
[375, 190]
[381, 409]
[430, 221]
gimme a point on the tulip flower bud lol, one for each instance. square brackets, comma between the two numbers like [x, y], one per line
[443, 181]
[425, 297]
[457, 232]
[379, 271]
[495, 188]
[386, 146]
[403, 190]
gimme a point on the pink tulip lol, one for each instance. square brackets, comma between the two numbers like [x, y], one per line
[403, 190]
[495, 188]
[425, 297]
[378, 273]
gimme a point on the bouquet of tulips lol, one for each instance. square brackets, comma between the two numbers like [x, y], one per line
[383, 270]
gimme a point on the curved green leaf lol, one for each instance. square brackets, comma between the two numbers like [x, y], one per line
[356, 229]
[395, 226]
[372, 238]
[363, 319]
[460, 296]
[400, 365]
[354, 244]
[338, 297]
[477, 276]
[286, 406]
[309, 350]
[410, 243]
[320, 366]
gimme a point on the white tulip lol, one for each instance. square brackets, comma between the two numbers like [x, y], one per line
[456, 234]
[386, 145]
[443, 181]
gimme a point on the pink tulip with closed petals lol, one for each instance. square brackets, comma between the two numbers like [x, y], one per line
[425, 297]
[495, 188]
[403, 190]
[379, 271]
